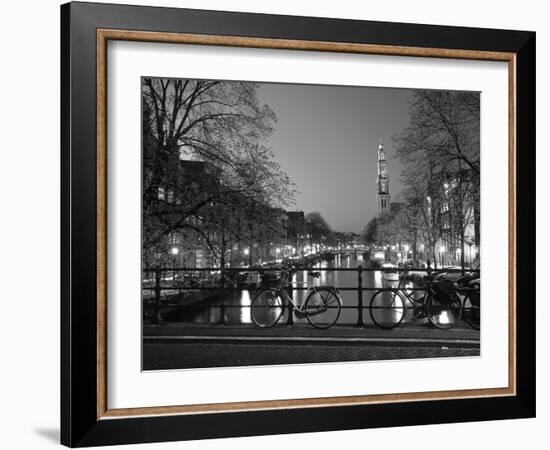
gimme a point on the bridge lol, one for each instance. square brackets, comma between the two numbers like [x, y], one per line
[186, 322]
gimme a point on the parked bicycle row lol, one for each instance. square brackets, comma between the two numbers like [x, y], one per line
[442, 300]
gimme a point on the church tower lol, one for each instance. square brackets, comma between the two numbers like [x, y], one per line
[383, 196]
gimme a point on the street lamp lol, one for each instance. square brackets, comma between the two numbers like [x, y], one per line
[406, 249]
[421, 255]
[174, 251]
[441, 251]
[246, 252]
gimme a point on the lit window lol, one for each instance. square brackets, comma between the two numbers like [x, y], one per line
[170, 196]
[161, 193]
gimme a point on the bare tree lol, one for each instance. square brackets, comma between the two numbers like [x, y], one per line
[444, 124]
[368, 234]
[223, 125]
[440, 154]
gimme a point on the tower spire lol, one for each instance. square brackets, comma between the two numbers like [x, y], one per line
[383, 181]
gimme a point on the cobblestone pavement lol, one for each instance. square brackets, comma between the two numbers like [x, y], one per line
[196, 353]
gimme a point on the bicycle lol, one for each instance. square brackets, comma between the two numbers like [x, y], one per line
[468, 288]
[438, 301]
[321, 309]
[388, 308]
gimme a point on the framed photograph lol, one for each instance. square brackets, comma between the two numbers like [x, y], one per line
[276, 224]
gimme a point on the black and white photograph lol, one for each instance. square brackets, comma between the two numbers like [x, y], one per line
[263, 225]
[294, 223]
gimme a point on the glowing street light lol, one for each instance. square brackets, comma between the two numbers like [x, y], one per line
[441, 252]
[174, 251]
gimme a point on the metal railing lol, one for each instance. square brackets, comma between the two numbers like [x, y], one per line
[160, 285]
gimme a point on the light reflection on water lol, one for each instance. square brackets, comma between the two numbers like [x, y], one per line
[236, 307]
[245, 302]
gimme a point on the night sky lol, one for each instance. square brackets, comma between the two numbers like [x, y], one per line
[326, 139]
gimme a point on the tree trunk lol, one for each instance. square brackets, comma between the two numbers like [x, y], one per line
[462, 251]
[414, 244]
[476, 224]
[222, 257]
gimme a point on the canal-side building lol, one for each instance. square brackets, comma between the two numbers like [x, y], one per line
[383, 182]
[179, 247]
[296, 231]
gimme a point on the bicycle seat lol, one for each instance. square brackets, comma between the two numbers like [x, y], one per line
[314, 274]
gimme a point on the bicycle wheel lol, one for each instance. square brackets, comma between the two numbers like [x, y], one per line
[322, 308]
[443, 313]
[470, 309]
[387, 309]
[267, 308]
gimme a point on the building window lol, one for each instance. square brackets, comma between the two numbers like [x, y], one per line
[161, 193]
[170, 196]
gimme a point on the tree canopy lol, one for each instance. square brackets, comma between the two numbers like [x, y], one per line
[224, 126]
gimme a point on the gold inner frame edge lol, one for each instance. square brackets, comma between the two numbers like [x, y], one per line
[103, 36]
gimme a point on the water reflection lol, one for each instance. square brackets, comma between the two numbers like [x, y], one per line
[245, 302]
[234, 308]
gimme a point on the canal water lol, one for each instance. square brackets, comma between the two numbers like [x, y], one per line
[234, 309]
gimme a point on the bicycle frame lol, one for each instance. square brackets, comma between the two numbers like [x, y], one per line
[298, 309]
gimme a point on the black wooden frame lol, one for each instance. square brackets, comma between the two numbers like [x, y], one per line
[79, 423]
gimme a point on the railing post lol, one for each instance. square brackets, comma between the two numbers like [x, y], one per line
[360, 322]
[222, 314]
[222, 305]
[156, 309]
[290, 319]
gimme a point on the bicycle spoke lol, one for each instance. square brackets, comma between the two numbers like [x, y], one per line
[322, 308]
[267, 308]
[386, 309]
